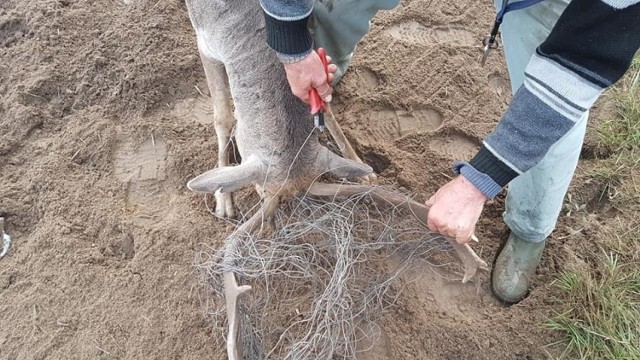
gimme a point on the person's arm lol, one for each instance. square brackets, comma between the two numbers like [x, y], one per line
[286, 27]
[288, 35]
[589, 49]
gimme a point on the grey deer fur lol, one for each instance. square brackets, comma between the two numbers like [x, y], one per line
[274, 133]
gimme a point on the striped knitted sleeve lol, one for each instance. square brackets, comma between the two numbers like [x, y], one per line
[589, 49]
[286, 28]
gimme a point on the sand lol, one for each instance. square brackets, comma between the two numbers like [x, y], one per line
[104, 117]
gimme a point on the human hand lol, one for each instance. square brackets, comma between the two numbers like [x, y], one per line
[455, 209]
[309, 73]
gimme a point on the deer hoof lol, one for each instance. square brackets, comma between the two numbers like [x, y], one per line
[224, 205]
[371, 178]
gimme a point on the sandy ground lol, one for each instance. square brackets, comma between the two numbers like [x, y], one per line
[104, 116]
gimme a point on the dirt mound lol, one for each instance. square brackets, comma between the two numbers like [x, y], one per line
[103, 119]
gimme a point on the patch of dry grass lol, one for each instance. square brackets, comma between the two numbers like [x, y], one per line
[600, 315]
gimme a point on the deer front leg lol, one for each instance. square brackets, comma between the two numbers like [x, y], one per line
[343, 144]
[223, 122]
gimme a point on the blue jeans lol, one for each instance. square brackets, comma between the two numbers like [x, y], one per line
[535, 198]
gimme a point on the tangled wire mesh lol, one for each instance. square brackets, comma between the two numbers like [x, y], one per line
[322, 278]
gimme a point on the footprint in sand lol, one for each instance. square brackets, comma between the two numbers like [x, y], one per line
[359, 79]
[415, 33]
[373, 344]
[428, 292]
[366, 79]
[455, 146]
[144, 170]
[387, 124]
[196, 109]
[442, 294]
[499, 84]
[13, 31]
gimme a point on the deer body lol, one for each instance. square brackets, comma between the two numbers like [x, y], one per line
[274, 131]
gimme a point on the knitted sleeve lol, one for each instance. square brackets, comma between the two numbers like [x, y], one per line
[286, 27]
[589, 49]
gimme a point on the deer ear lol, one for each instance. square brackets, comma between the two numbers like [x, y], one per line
[341, 167]
[228, 178]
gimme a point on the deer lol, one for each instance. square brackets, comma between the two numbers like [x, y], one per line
[281, 154]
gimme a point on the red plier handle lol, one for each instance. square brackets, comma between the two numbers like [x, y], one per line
[316, 101]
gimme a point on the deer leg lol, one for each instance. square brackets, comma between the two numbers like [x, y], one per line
[264, 215]
[231, 289]
[343, 144]
[470, 260]
[231, 294]
[223, 122]
[6, 239]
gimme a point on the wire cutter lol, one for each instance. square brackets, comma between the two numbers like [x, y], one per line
[319, 106]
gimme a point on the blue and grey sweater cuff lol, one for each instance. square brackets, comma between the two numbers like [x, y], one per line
[489, 164]
[481, 181]
[291, 40]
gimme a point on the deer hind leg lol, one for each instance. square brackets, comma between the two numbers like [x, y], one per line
[343, 144]
[223, 122]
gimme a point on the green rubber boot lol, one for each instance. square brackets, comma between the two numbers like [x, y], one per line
[515, 268]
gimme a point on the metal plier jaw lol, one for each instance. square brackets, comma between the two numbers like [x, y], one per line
[489, 43]
[319, 106]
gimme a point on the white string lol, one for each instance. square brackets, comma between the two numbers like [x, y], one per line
[328, 260]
